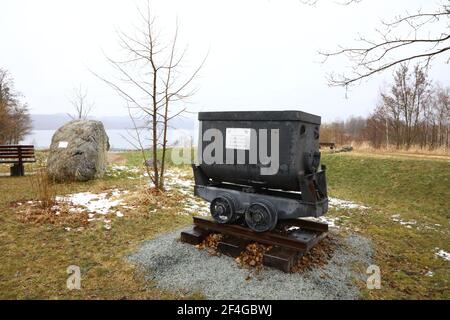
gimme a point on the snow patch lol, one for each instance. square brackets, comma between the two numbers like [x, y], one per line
[331, 221]
[344, 204]
[119, 214]
[95, 204]
[443, 254]
[408, 224]
[98, 203]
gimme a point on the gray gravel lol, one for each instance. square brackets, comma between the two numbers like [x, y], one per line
[178, 266]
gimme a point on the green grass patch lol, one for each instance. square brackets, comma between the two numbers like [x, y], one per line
[418, 191]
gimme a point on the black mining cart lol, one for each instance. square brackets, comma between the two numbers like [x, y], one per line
[260, 167]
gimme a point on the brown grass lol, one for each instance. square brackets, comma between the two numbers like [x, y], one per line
[116, 158]
[153, 199]
[413, 150]
[34, 213]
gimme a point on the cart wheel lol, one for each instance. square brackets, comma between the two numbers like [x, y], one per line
[223, 209]
[261, 216]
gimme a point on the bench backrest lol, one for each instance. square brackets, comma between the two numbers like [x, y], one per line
[17, 153]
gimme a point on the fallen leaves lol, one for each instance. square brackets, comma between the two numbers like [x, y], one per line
[318, 256]
[253, 255]
[210, 243]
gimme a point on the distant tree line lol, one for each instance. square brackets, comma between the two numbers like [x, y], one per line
[413, 111]
[15, 121]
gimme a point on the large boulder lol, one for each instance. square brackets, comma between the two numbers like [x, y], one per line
[78, 151]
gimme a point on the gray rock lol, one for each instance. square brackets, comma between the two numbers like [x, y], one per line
[78, 151]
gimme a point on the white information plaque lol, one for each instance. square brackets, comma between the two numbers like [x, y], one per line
[238, 138]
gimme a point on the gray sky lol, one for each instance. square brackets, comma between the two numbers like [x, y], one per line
[263, 54]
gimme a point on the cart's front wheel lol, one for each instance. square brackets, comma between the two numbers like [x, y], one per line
[223, 209]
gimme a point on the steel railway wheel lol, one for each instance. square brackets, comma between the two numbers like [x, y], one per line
[261, 216]
[223, 209]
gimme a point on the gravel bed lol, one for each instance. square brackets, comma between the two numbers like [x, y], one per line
[178, 266]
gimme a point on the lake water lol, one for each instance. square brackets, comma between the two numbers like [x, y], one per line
[119, 139]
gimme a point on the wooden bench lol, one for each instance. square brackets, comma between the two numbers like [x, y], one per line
[17, 155]
[330, 145]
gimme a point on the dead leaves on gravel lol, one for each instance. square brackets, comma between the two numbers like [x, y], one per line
[210, 243]
[318, 256]
[252, 256]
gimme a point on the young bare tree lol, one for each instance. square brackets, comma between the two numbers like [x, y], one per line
[411, 112]
[4, 106]
[80, 103]
[154, 84]
[419, 36]
[441, 116]
[15, 121]
[406, 102]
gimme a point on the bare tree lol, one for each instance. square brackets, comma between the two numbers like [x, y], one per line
[412, 112]
[153, 83]
[80, 103]
[406, 102]
[441, 117]
[419, 37]
[4, 106]
[15, 121]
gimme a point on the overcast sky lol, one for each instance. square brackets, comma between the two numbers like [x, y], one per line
[263, 54]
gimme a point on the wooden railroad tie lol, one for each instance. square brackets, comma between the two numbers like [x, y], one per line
[290, 240]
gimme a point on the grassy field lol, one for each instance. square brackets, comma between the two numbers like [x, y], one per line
[414, 191]
[35, 256]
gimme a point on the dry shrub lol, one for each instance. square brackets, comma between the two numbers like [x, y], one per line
[35, 214]
[149, 199]
[145, 197]
[43, 188]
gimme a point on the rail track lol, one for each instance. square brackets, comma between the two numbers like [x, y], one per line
[290, 240]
